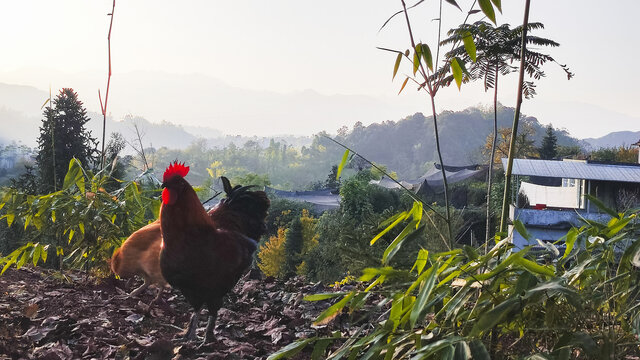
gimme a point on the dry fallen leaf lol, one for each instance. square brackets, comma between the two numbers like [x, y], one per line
[31, 310]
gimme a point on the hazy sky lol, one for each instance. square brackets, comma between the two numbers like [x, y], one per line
[328, 46]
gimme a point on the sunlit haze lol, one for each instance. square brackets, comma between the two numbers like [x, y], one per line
[299, 67]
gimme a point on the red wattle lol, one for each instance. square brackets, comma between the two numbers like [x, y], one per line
[167, 199]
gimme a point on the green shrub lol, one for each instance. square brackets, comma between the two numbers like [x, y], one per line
[460, 304]
[82, 223]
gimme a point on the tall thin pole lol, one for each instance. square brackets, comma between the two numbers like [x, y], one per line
[493, 155]
[106, 97]
[516, 119]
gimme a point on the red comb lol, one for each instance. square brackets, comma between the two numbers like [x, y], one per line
[175, 169]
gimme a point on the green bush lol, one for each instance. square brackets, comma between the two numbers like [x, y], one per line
[82, 223]
[344, 234]
[460, 304]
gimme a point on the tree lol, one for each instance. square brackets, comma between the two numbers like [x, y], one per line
[26, 182]
[309, 235]
[496, 48]
[569, 151]
[272, 255]
[293, 245]
[524, 145]
[63, 135]
[624, 154]
[549, 148]
[252, 179]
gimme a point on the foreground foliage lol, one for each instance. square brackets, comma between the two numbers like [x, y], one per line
[81, 224]
[580, 299]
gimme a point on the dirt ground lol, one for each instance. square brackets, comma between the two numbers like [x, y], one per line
[44, 315]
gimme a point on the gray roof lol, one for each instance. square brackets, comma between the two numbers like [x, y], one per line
[575, 170]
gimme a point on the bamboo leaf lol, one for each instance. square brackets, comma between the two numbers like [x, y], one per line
[291, 349]
[393, 218]
[550, 247]
[520, 228]
[602, 206]
[10, 218]
[6, 266]
[416, 212]
[35, 256]
[421, 261]
[74, 176]
[487, 9]
[343, 162]
[333, 309]
[407, 234]
[478, 350]
[469, 45]
[416, 59]
[463, 351]
[23, 259]
[617, 226]
[403, 85]
[456, 70]
[498, 4]
[45, 103]
[44, 253]
[426, 55]
[400, 218]
[454, 3]
[427, 287]
[534, 268]
[491, 318]
[396, 65]
[572, 235]
[320, 349]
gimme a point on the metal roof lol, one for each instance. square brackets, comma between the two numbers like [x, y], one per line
[575, 170]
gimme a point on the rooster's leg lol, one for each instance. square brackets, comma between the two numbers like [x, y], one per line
[193, 325]
[142, 288]
[160, 291]
[147, 309]
[213, 307]
[208, 333]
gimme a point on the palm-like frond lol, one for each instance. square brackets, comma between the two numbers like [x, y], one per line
[497, 48]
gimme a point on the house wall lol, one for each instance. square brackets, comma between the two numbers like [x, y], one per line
[549, 225]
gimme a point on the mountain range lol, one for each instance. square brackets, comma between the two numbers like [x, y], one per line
[20, 118]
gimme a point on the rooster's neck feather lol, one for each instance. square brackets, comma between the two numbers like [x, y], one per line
[187, 211]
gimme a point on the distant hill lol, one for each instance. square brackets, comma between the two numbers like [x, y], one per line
[21, 117]
[613, 139]
[408, 146]
[26, 100]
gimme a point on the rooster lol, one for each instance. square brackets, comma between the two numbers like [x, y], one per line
[140, 255]
[205, 254]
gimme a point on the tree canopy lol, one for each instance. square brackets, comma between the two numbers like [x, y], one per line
[549, 148]
[63, 136]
